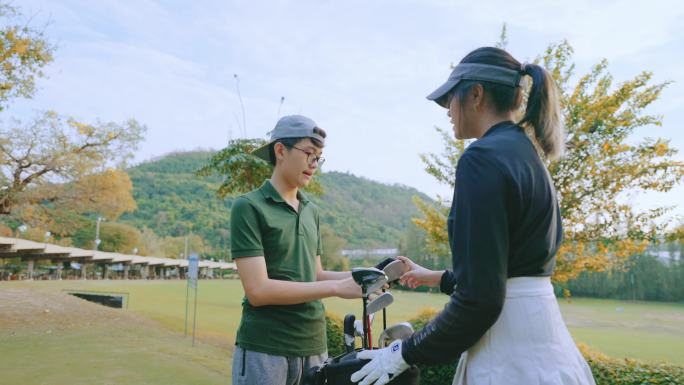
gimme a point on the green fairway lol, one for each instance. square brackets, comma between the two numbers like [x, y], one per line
[51, 338]
[110, 356]
[647, 331]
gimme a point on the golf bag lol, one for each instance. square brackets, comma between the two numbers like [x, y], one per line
[338, 371]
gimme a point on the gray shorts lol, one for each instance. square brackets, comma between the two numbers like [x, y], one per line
[255, 368]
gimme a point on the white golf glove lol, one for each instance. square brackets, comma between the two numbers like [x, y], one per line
[384, 362]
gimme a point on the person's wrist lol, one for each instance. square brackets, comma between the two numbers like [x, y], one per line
[437, 277]
[334, 288]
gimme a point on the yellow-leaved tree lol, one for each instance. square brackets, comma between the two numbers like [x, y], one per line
[603, 168]
[23, 53]
[56, 168]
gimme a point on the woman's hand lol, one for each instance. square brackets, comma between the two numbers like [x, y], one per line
[419, 276]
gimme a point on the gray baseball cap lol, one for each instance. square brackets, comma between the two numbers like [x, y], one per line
[474, 71]
[292, 126]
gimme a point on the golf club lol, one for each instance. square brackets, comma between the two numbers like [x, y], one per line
[385, 262]
[397, 331]
[349, 339]
[393, 269]
[370, 279]
[379, 303]
[359, 329]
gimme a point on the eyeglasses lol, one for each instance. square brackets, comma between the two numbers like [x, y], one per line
[311, 157]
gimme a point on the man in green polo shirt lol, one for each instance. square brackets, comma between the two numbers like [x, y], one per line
[276, 243]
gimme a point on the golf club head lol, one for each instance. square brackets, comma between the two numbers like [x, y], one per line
[394, 270]
[369, 278]
[358, 326]
[349, 339]
[385, 262]
[398, 331]
[380, 302]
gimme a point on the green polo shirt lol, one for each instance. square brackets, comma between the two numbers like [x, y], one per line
[263, 224]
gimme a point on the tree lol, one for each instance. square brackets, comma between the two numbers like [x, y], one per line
[443, 168]
[241, 171]
[60, 158]
[150, 243]
[413, 245]
[601, 171]
[119, 237]
[332, 258]
[174, 247]
[23, 53]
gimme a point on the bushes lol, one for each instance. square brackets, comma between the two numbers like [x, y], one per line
[436, 374]
[335, 334]
[607, 371]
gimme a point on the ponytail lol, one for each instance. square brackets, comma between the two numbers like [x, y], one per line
[543, 112]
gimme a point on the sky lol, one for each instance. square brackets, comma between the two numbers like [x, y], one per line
[360, 69]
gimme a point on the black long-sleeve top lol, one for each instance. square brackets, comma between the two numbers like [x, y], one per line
[504, 223]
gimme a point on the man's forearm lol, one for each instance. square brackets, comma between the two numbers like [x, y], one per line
[327, 275]
[276, 292]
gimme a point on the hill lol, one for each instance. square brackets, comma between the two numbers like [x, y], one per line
[172, 200]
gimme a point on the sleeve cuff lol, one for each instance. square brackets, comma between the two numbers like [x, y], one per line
[446, 284]
[235, 254]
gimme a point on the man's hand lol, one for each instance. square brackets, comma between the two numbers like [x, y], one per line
[384, 363]
[419, 276]
[347, 288]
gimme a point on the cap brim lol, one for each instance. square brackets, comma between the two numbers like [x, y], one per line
[439, 95]
[263, 153]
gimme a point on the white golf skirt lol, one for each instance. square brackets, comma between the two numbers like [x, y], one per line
[529, 344]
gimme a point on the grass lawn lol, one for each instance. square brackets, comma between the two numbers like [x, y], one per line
[51, 338]
[158, 353]
[110, 356]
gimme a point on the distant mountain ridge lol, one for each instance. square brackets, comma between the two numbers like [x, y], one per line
[172, 199]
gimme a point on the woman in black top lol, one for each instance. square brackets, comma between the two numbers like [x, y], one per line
[504, 230]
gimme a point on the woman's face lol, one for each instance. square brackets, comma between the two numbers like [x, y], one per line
[455, 113]
[463, 117]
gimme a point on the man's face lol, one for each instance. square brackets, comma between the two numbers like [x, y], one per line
[297, 164]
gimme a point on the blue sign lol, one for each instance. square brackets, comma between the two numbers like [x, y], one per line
[193, 270]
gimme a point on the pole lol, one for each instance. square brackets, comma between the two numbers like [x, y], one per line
[97, 243]
[30, 268]
[193, 264]
[194, 317]
[97, 233]
[187, 296]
